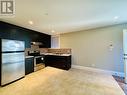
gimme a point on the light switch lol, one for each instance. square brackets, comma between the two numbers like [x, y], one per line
[111, 47]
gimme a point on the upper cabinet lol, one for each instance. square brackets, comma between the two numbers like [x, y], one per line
[9, 31]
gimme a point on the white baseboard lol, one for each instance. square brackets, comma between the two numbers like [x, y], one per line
[121, 74]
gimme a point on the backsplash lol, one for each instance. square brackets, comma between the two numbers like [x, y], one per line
[61, 51]
[43, 50]
[30, 49]
[49, 50]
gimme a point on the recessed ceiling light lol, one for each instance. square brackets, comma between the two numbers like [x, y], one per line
[30, 22]
[52, 31]
[116, 17]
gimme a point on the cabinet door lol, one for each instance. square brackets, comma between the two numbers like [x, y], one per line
[29, 65]
[62, 62]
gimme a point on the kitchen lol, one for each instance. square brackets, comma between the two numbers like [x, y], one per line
[63, 47]
[36, 52]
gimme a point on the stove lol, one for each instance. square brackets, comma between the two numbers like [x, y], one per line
[38, 60]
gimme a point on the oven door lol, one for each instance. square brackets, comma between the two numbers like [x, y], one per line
[38, 60]
[38, 63]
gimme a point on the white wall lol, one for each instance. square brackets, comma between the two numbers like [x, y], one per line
[100, 48]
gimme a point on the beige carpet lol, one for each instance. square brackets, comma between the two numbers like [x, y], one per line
[52, 81]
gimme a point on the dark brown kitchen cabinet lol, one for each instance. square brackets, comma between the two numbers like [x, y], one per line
[14, 32]
[62, 62]
[29, 65]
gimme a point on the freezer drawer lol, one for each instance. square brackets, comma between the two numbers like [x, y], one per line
[12, 67]
[12, 71]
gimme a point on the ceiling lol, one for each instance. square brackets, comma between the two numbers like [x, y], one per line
[67, 15]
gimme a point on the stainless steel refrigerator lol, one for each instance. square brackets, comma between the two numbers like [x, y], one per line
[12, 60]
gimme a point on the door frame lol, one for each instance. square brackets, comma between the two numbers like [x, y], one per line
[125, 55]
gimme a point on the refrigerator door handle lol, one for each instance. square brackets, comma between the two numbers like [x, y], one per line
[13, 62]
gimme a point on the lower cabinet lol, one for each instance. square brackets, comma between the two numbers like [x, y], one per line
[62, 62]
[29, 65]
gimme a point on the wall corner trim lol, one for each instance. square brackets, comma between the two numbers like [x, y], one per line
[121, 74]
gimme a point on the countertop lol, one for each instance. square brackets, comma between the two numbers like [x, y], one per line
[29, 56]
[55, 54]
